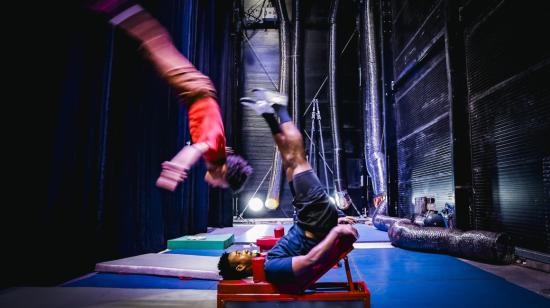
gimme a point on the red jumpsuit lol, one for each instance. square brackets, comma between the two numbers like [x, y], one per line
[205, 124]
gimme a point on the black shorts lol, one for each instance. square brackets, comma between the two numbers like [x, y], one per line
[314, 210]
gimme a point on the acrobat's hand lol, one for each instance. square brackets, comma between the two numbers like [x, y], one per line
[172, 174]
[345, 230]
[347, 220]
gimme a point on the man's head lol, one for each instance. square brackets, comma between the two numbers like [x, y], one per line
[236, 264]
[233, 173]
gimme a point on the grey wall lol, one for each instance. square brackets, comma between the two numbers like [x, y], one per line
[471, 105]
[508, 78]
[421, 107]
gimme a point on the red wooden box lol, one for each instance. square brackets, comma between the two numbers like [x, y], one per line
[257, 292]
[246, 293]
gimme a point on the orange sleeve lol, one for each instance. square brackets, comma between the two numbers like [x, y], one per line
[206, 126]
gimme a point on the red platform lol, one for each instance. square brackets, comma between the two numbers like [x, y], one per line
[320, 292]
[257, 292]
[267, 242]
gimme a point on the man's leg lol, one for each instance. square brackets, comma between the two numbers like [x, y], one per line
[286, 135]
[290, 143]
[291, 146]
[314, 211]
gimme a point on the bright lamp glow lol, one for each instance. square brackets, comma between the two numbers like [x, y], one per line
[271, 203]
[255, 204]
[332, 200]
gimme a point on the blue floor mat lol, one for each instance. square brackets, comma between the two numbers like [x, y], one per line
[398, 277]
[369, 233]
[111, 280]
[395, 264]
[395, 277]
[453, 293]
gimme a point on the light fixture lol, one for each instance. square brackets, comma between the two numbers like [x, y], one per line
[271, 203]
[255, 204]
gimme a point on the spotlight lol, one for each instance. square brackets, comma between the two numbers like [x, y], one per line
[332, 200]
[255, 204]
[271, 203]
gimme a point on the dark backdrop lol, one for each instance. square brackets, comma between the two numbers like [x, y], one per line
[93, 125]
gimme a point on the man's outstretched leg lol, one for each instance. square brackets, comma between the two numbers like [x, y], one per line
[315, 213]
[286, 135]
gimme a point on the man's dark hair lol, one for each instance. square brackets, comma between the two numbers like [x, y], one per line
[238, 171]
[227, 271]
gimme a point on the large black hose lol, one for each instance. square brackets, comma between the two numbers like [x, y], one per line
[343, 201]
[380, 219]
[475, 244]
[370, 89]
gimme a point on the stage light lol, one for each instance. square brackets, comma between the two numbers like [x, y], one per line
[271, 203]
[255, 204]
[332, 200]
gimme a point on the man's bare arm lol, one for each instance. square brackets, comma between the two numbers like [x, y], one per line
[175, 170]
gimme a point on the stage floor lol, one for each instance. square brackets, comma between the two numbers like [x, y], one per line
[395, 277]
[248, 233]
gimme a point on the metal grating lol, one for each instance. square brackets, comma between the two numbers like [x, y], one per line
[422, 110]
[508, 129]
[509, 100]
[425, 167]
[423, 138]
[425, 96]
[407, 19]
[503, 43]
[416, 25]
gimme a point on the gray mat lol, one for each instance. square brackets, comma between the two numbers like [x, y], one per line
[177, 265]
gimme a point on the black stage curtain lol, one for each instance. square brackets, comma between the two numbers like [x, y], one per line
[95, 130]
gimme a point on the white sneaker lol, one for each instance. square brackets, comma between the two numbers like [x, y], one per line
[259, 105]
[274, 98]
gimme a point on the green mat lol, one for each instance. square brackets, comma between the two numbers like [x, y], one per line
[202, 241]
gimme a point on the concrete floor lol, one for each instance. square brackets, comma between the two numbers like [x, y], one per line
[530, 279]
